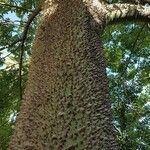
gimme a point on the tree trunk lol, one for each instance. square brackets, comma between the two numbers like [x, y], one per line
[66, 103]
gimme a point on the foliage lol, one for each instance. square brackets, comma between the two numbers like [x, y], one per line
[127, 49]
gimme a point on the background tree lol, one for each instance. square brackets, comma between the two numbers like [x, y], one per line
[128, 72]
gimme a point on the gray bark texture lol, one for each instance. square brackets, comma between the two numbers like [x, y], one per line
[66, 104]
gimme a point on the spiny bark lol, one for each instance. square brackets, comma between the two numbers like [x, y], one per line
[131, 12]
[119, 12]
[66, 103]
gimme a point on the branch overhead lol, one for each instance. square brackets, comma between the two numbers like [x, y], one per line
[119, 12]
[114, 13]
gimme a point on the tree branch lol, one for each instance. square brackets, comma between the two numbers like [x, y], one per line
[24, 36]
[11, 45]
[22, 40]
[10, 22]
[13, 6]
[126, 12]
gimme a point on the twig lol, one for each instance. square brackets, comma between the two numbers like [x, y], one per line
[24, 36]
[10, 22]
[133, 48]
[5, 56]
[12, 44]
[14, 6]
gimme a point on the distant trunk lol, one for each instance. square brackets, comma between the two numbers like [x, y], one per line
[66, 103]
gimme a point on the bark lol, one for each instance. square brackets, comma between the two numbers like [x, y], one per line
[117, 12]
[66, 103]
[127, 12]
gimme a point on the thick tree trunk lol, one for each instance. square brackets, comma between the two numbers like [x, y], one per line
[66, 103]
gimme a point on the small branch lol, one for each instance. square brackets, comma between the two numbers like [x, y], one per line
[138, 37]
[133, 50]
[24, 36]
[13, 6]
[3, 58]
[11, 45]
[10, 22]
[127, 12]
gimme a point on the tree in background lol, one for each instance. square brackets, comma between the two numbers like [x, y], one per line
[128, 71]
[76, 60]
